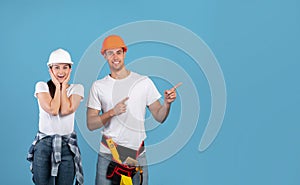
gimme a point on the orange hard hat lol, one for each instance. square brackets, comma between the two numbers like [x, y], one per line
[111, 42]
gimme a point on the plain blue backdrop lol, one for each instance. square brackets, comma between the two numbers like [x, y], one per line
[255, 42]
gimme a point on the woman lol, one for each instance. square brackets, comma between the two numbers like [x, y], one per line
[54, 153]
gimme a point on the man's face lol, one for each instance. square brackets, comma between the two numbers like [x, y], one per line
[115, 58]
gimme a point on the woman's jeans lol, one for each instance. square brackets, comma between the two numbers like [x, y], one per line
[102, 164]
[42, 164]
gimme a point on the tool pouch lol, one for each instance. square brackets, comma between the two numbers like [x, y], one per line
[115, 170]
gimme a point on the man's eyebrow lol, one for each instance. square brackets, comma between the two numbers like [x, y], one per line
[115, 50]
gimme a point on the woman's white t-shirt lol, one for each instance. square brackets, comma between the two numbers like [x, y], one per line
[61, 125]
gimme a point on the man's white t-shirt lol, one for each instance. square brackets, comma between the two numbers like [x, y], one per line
[61, 125]
[126, 129]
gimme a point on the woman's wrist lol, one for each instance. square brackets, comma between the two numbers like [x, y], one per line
[57, 85]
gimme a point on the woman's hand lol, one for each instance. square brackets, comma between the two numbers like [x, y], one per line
[66, 81]
[53, 78]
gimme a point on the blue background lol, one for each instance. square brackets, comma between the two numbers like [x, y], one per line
[255, 42]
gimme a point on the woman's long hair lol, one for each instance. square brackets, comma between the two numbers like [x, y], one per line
[52, 88]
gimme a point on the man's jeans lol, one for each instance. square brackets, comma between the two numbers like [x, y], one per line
[102, 164]
[42, 164]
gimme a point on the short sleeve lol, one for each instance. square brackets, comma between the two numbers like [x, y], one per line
[152, 93]
[93, 100]
[41, 87]
[77, 89]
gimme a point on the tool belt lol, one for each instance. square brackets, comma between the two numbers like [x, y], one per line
[116, 171]
[125, 152]
[124, 164]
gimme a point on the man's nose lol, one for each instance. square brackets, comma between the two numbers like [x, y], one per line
[114, 55]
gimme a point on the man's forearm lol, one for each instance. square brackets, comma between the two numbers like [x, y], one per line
[97, 121]
[163, 112]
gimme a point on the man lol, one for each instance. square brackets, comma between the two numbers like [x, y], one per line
[122, 97]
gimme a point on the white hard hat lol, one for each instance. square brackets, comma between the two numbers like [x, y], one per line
[59, 56]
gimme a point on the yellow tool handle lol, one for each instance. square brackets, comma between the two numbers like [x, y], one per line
[111, 145]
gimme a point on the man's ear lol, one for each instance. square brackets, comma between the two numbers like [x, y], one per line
[105, 56]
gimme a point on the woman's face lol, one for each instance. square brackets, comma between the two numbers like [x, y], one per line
[61, 71]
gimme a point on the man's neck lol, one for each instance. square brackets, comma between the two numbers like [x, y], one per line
[120, 74]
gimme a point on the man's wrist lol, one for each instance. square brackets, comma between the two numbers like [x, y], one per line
[111, 113]
[167, 104]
